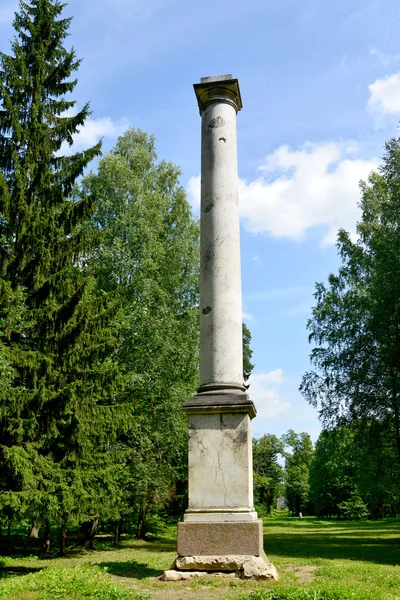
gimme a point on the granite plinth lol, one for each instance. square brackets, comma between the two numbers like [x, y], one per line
[220, 539]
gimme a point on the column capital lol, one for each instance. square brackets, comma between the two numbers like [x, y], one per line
[219, 88]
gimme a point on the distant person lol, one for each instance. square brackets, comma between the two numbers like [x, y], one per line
[300, 515]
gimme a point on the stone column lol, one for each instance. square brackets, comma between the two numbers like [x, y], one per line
[221, 363]
[221, 530]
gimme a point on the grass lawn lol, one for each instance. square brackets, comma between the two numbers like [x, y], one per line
[316, 560]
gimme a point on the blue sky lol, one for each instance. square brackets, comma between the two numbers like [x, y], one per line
[320, 83]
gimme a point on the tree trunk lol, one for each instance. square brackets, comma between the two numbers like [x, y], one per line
[141, 524]
[117, 531]
[63, 538]
[46, 539]
[34, 531]
[9, 529]
[89, 530]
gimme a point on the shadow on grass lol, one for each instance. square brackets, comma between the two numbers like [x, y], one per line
[19, 546]
[351, 540]
[131, 568]
[376, 524]
[152, 546]
[15, 571]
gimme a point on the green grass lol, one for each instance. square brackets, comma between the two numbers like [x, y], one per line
[76, 582]
[316, 560]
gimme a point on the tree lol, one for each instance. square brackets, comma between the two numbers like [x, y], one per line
[378, 474]
[297, 465]
[149, 258]
[333, 470]
[268, 473]
[355, 324]
[247, 354]
[63, 381]
[353, 466]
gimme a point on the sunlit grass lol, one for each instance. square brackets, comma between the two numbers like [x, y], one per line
[316, 560]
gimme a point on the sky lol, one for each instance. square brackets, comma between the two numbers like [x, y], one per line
[320, 83]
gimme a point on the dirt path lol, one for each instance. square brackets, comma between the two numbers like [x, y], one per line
[213, 589]
[303, 574]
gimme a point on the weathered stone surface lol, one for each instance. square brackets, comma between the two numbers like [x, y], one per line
[220, 466]
[246, 567]
[221, 532]
[221, 539]
[214, 78]
[221, 358]
[259, 568]
[173, 575]
[211, 563]
[220, 87]
[214, 402]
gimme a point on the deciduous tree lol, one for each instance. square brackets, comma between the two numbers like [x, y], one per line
[355, 324]
[297, 464]
[149, 257]
[268, 473]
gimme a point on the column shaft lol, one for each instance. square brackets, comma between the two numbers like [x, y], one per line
[221, 354]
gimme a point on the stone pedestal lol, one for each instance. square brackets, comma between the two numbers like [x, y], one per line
[221, 531]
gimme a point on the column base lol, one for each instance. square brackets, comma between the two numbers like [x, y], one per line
[224, 549]
[242, 566]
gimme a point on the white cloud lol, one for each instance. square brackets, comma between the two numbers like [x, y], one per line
[384, 59]
[193, 193]
[91, 132]
[384, 96]
[265, 392]
[313, 186]
[257, 260]
[94, 129]
[246, 316]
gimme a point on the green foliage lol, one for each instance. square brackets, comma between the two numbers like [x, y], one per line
[297, 465]
[333, 470]
[355, 332]
[98, 303]
[356, 319]
[378, 475]
[355, 460]
[58, 416]
[247, 353]
[148, 258]
[268, 474]
[354, 507]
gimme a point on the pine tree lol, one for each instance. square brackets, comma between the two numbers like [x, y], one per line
[57, 419]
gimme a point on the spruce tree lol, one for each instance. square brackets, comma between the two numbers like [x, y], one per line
[57, 419]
